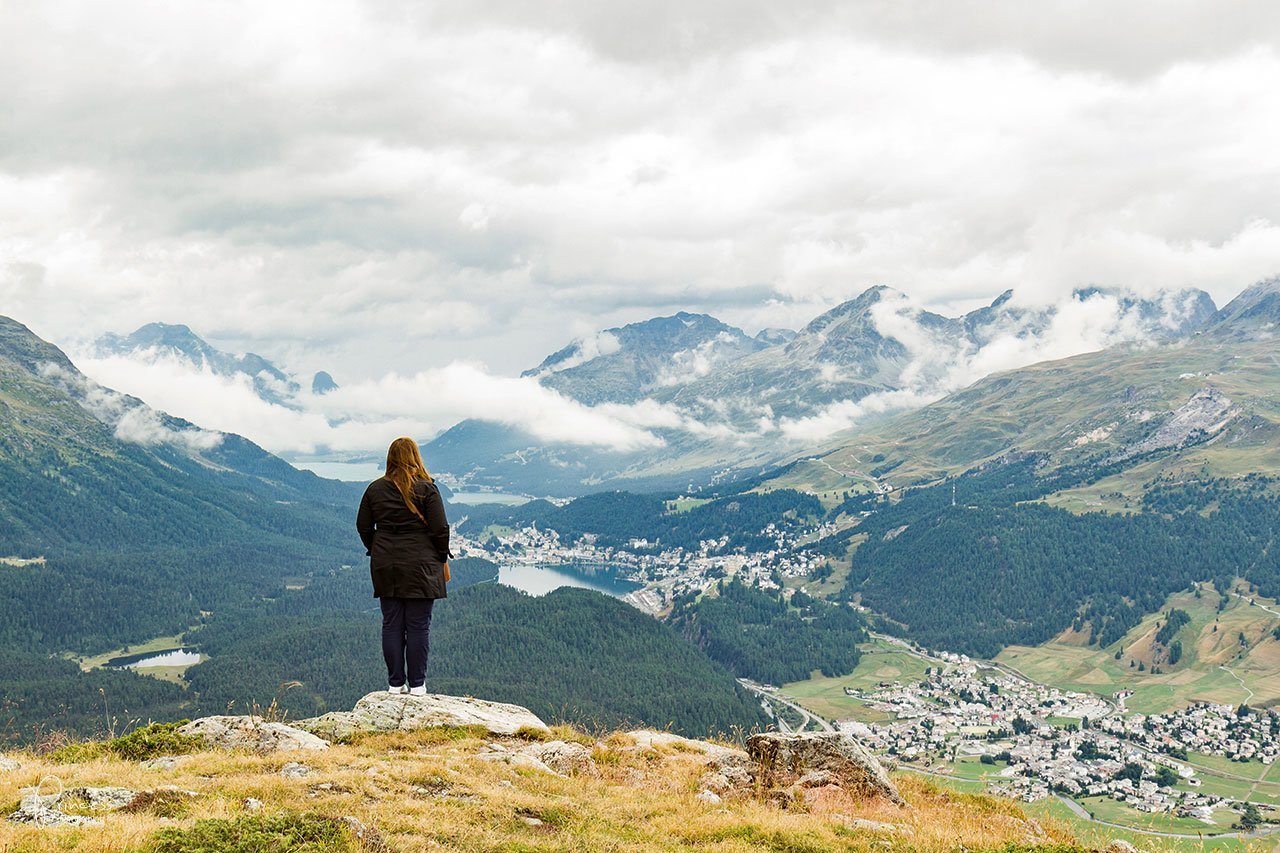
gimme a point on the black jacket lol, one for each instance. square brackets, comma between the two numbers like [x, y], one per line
[406, 556]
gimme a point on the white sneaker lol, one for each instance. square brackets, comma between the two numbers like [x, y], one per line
[418, 691]
[391, 688]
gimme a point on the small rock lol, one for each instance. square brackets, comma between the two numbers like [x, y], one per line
[98, 799]
[370, 839]
[163, 762]
[728, 771]
[252, 733]
[531, 820]
[294, 770]
[252, 804]
[711, 798]
[1121, 846]
[879, 826]
[505, 783]
[646, 739]
[717, 782]
[519, 759]
[567, 759]
[8, 765]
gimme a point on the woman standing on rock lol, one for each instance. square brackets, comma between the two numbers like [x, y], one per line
[406, 536]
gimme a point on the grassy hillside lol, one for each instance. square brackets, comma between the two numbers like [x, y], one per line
[1089, 409]
[1215, 667]
[430, 790]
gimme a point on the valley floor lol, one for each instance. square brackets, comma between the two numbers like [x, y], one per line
[884, 689]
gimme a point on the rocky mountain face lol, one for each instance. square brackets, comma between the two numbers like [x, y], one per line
[622, 365]
[1255, 313]
[748, 408]
[163, 340]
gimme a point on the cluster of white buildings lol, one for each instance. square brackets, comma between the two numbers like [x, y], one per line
[963, 711]
[1204, 727]
[666, 572]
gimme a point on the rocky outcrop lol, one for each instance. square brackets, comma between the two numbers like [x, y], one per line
[41, 811]
[818, 759]
[555, 756]
[649, 739]
[47, 809]
[251, 733]
[386, 712]
[8, 765]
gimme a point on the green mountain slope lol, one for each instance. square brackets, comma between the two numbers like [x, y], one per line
[1205, 406]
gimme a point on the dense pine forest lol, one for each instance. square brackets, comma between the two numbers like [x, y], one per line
[994, 570]
[572, 655]
[764, 637]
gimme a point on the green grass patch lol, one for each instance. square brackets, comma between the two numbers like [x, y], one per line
[1113, 811]
[149, 741]
[287, 831]
[685, 504]
[881, 661]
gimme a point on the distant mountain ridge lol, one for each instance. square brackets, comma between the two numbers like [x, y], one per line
[624, 364]
[877, 347]
[1193, 403]
[80, 446]
[179, 342]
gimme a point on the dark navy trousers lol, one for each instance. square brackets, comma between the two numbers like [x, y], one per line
[406, 624]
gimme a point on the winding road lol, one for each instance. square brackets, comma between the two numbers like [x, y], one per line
[807, 717]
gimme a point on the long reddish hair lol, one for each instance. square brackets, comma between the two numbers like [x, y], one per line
[405, 467]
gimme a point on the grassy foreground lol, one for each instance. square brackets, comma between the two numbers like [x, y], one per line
[430, 790]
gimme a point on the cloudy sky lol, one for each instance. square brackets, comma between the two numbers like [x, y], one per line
[381, 187]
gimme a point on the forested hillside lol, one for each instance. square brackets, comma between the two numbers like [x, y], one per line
[994, 569]
[572, 655]
[768, 638]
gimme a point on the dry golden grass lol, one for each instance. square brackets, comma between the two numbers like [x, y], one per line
[428, 790]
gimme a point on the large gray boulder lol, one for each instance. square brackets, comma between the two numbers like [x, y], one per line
[387, 712]
[251, 733]
[808, 758]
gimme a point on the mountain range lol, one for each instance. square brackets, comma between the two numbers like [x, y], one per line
[178, 342]
[743, 404]
[1203, 403]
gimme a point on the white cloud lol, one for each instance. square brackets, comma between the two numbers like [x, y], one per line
[585, 349]
[845, 414]
[131, 419]
[362, 415]
[377, 186]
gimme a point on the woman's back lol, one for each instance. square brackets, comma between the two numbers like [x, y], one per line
[407, 552]
[406, 535]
